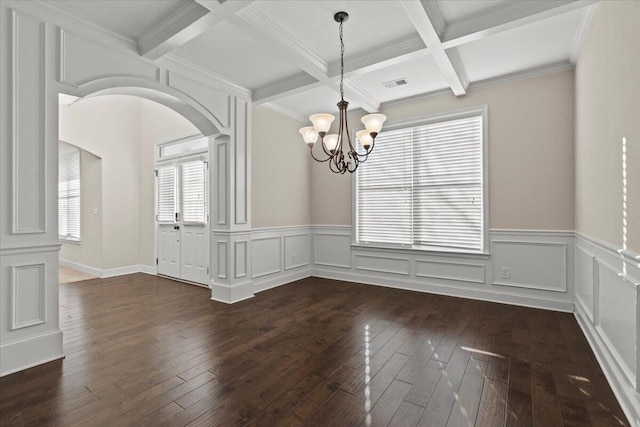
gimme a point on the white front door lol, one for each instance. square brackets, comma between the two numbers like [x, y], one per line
[182, 220]
[169, 250]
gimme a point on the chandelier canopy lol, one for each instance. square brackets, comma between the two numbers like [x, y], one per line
[341, 154]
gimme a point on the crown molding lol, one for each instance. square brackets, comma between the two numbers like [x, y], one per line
[286, 112]
[506, 17]
[290, 85]
[520, 75]
[154, 37]
[585, 24]
[435, 16]
[541, 71]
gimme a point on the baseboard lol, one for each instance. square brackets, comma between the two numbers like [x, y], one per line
[222, 292]
[449, 290]
[109, 272]
[148, 269]
[31, 351]
[81, 267]
[264, 283]
[627, 396]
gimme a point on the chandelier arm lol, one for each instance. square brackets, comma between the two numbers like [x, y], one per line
[317, 159]
[367, 151]
[327, 152]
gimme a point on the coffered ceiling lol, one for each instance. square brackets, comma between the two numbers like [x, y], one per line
[287, 52]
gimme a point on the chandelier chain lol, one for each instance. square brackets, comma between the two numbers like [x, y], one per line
[341, 63]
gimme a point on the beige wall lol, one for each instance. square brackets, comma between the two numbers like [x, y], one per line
[280, 193]
[531, 170]
[89, 250]
[608, 110]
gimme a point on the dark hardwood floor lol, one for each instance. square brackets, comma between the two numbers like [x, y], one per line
[142, 350]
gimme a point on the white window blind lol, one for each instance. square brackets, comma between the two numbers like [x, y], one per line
[69, 195]
[193, 190]
[423, 186]
[166, 187]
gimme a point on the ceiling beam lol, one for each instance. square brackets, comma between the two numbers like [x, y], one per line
[390, 53]
[271, 35]
[290, 85]
[188, 22]
[507, 17]
[424, 16]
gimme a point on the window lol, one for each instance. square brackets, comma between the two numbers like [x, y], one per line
[423, 186]
[185, 197]
[193, 184]
[166, 194]
[69, 195]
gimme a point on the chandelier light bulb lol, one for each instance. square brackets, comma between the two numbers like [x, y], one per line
[322, 122]
[309, 135]
[365, 138]
[373, 122]
[331, 142]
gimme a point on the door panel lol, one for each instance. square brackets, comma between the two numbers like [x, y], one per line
[168, 250]
[195, 253]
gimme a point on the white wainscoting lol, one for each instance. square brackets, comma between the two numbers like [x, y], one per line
[279, 255]
[608, 311]
[540, 263]
[29, 284]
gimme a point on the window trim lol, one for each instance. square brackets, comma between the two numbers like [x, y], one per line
[461, 113]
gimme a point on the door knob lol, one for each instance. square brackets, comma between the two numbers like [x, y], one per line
[176, 227]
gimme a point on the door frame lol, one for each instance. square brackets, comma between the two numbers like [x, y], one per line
[205, 154]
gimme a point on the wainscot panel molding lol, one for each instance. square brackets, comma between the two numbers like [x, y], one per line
[542, 263]
[608, 311]
[280, 255]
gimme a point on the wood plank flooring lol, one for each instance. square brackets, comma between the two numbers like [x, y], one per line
[148, 351]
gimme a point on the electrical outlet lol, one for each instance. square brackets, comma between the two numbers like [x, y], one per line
[505, 273]
[293, 258]
[95, 210]
[89, 253]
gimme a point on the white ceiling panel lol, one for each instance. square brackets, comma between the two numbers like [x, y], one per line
[455, 10]
[229, 52]
[421, 74]
[128, 17]
[534, 45]
[370, 23]
[319, 100]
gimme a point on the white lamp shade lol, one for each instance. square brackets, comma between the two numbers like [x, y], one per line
[373, 122]
[365, 138]
[331, 141]
[309, 134]
[322, 122]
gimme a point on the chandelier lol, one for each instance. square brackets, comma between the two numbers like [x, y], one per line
[338, 149]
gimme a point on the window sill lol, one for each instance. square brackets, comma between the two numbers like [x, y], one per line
[426, 251]
[73, 242]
